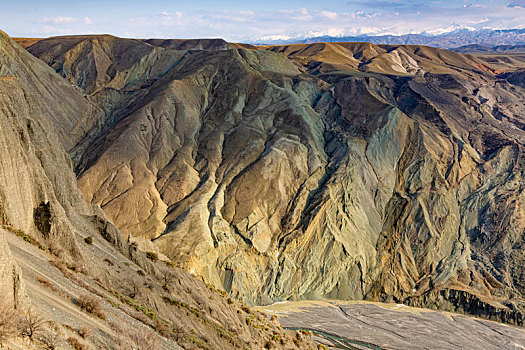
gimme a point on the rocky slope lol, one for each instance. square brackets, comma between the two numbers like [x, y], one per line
[34, 196]
[65, 266]
[350, 171]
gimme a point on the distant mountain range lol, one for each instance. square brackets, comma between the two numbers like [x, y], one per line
[449, 40]
[483, 49]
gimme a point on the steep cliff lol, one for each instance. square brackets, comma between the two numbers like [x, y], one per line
[36, 196]
[305, 171]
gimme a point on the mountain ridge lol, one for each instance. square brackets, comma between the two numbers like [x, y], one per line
[447, 40]
[375, 158]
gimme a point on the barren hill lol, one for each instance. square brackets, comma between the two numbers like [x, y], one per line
[341, 170]
[69, 279]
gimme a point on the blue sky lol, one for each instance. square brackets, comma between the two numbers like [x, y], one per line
[252, 20]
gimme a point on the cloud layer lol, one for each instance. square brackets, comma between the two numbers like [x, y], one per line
[246, 22]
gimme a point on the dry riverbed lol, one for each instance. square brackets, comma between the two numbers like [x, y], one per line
[366, 325]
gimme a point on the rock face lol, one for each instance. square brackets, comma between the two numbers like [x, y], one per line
[36, 195]
[350, 171]
[38, 191]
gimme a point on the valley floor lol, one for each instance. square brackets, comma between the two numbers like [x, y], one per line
[366, 325]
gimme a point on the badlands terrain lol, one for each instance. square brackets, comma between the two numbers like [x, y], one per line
[178, 182]
[69, 278]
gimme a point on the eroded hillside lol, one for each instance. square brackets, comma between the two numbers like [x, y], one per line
[69, 279]
[350, 171]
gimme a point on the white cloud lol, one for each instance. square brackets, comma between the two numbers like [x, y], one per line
[370, 17]
[436, 19]
[301, 14]
[450, 28]
[362, 14]
[48, 29]
[229, 16]
[59, 20]
[329, 15]
[276, 37]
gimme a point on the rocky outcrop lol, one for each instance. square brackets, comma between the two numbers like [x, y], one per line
[37, 188]
[515, 78]
[460, 301]
[12, 286]
[306, 171]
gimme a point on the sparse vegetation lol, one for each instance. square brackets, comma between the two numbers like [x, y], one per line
[32, 324]
[167, 278]
[144, 339]
[170, 263]
[173, 301]
[55, 248]
[162, 328]
[9, 322]
[88, 240]
[47, 284]
[134, 286]
[152, 256]
[133, 339]
[24, 236]
[197, 341]
[85, 332]
[76, 344]
[50, 340]
[246, 309]
[125, 298]
[71, 267]
[16, 231]
[138, 306]
[91, 305]
[59, 264]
